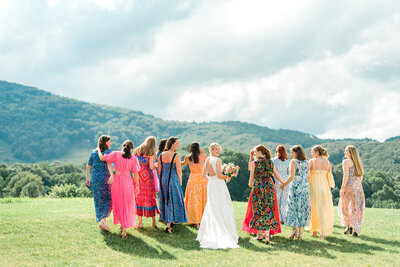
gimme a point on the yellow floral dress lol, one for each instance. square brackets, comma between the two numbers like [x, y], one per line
[196, 194]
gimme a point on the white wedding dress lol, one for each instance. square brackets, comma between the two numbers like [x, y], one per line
[218, 225]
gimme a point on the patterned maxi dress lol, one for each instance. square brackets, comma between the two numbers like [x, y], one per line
[146, 204]
[263, 197]
[172, 204]
[122, 189]
[282, 197]
[196, 194]
[299, 208]
[351, 206]
[101, 190]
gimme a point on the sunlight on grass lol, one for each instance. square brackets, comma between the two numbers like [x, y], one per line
[64, 232]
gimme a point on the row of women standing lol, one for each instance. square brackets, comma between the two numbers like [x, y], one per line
[301, 196]
[118, 192]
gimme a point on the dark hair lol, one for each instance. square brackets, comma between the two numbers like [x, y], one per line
[194, 152]
[281, 151]
[126, 148]
[161, 145]
[101, 143]
[300, 154]
[264, 150]
[170, 142]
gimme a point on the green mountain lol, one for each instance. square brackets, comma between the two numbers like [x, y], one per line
[36, 125]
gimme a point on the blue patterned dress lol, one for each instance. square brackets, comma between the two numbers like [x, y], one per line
[299, 208]
[172, 202]
[101, 190]
[282, 167]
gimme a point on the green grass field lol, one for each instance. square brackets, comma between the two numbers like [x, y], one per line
[64, 232]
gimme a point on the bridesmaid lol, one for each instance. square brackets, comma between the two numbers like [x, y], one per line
[264, 204]
[196, 188]
[321, 182]
[172, 205]
[351, 206]
[282, 162]
[98, 181]
[122, 190]
[249, 213]
[299, 208]
[146, 204]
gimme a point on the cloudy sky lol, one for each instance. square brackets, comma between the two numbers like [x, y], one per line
[330, 68]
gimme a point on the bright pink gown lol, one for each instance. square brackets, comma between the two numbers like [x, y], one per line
[122, 190]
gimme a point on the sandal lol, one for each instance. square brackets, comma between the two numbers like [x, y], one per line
[322, 236]
[267, 237]
[355, 234]
[123, 234]
[294, 233]
[104, 226]
[168, 230]
[348, 231]
[314, 234]
[258, 237]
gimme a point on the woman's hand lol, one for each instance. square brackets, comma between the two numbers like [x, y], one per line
[282, 186]
[87, 181]
[111, 179]
[341, 192]
[251, 185]
[137, 189]
[228, 179]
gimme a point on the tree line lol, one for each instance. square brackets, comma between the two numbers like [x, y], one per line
[57, 179]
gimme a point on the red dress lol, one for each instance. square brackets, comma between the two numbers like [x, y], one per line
[249, 216]
[146, 204]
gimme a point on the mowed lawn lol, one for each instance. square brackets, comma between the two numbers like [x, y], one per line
[64, 232]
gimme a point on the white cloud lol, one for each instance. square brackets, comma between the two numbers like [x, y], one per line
[312, 66]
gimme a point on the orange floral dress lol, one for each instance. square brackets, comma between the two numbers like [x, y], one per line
[196, 194]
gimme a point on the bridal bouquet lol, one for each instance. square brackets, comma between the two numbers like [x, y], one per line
[230, 169]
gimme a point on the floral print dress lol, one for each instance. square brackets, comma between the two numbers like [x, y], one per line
[351, 206]
[299, 208]
[263, 197]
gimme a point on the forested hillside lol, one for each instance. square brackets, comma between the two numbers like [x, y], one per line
[38, 126]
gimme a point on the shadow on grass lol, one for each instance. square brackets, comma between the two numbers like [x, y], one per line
[135, 246]
[183, 237]
[380, 241]
[313, 247]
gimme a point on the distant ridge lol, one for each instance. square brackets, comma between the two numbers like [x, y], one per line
[36, 125]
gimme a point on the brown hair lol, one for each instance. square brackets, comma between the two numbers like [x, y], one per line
[161, 145]
[170, 142]
[194, 152]
[355, 157]
[126, 148]
[300, 154]
[148, 148]
[281, 151]
[322, 151]
[264, 150]
[101, 143]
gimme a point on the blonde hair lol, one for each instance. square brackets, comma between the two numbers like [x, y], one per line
[322, 151]
[355, 157]
[148, 148]
[212, 146]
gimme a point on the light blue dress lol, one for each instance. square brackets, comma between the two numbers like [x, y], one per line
[282, 197]
[299, 208]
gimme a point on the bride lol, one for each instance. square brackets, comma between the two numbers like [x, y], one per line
[218, 225]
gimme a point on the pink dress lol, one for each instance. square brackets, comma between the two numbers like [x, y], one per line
[122, 190]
